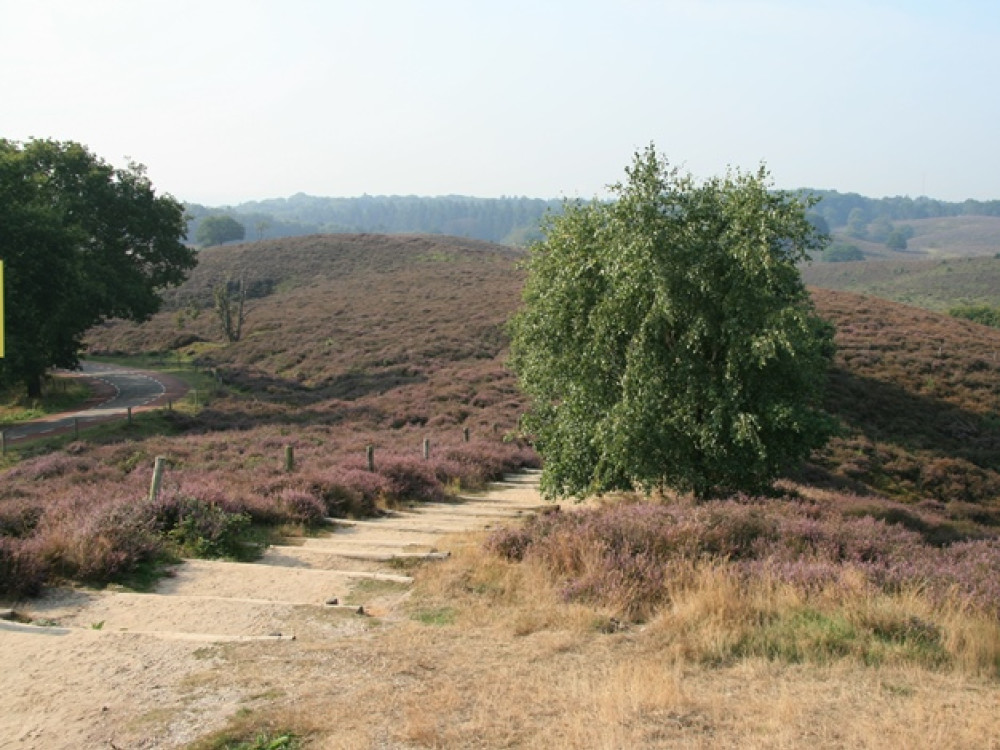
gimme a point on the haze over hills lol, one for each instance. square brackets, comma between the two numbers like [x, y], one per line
[515, 220]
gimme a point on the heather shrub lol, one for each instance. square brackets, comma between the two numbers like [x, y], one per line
[98, 543]
[19, 516]
[302, 507]
[48, 466]
[477, 463]
[347, 491]
[631, 555]
[955, 479]
[409, 478]
[22, 569]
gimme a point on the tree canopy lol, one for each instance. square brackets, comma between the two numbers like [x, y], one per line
[218, 229]
[667, 340]
[81, 242]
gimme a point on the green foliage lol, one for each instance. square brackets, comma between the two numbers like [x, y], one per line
[81, 242]
[984, 314]
[841, 252]
[896, 240]
[218, 229]
[666, 337]
[201, 529]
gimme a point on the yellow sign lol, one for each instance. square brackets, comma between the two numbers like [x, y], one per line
[1, 308]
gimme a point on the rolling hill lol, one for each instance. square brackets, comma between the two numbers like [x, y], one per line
[935, 284]
[408, 331]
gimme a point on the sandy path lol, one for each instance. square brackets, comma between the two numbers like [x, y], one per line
[111, 669]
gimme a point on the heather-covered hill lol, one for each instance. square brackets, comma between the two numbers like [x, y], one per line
[936, 284]
[356, 340]
[412, 325]
[391, 331]
[918, 393]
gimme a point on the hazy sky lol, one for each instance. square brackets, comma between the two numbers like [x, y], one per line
[228, 101]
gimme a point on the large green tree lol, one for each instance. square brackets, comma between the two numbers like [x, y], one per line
[81, 242]
[666, 338]
[219, 229]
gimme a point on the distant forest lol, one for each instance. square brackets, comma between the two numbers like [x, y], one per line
[837, 208]
[509, 220]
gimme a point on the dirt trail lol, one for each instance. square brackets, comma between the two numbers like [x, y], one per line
[103, 669]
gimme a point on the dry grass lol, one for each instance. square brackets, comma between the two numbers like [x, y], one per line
[514, 665]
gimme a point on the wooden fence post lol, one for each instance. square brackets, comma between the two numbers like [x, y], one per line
[465, 433]
[154, 485]
[76, 428]
[289, 459]
[370, 455]
[130, 415]
[427, 448]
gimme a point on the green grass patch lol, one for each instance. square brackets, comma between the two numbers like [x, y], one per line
[236, 739]
[59, 395]
[435, 616]
[368, 588]
[810, 635]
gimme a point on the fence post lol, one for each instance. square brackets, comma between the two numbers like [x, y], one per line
[154, 485]
[289, 459]
[427, 448]
[76, 428]
[130, 415]
[370, 455]
[465, 433]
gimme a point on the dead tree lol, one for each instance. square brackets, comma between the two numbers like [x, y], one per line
[230, 304]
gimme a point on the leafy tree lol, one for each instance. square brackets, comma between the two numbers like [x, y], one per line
[879, 229]
[81, 242]
[218, 229]
[857, 224]
[896, 240]
[667, 340]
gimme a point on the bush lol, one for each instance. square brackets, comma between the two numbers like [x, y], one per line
[22, 569]
[840, 252]
[98, 544]
[629, 555]
[302, 507]
[203, 529]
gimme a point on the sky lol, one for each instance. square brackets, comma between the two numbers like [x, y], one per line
[228, 101]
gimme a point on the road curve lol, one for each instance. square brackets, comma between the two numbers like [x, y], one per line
[119, 389]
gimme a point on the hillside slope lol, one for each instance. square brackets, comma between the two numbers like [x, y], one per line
[412, 325]
[388, 331]
[934, 284]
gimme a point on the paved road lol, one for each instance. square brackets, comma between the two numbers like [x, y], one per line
[126, 388]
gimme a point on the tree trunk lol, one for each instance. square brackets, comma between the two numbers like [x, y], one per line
[34, 385]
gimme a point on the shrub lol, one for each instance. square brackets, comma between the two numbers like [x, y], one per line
[98, 543]
[629, 554]
[302, 507]
[840, 252]
[22, 569]
[410, 478]
[203, 529]
[19, 516]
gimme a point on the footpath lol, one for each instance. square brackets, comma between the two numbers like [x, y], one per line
[79, 667]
